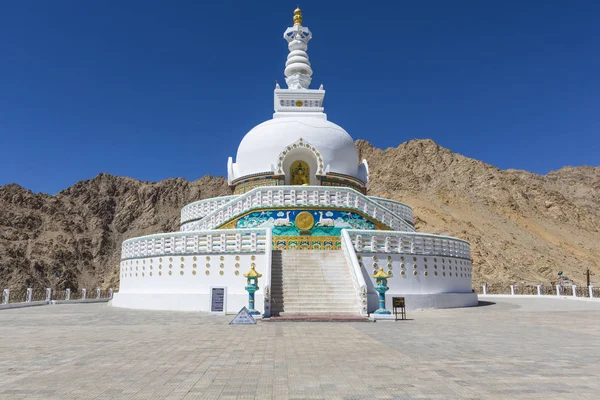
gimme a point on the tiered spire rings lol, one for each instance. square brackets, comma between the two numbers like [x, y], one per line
[297, 72]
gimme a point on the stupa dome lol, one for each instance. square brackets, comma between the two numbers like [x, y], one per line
[261, 148]
[299, 146]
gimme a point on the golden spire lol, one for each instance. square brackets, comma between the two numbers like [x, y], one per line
[298, 17]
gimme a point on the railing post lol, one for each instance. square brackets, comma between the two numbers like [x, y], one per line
[484, 289]
[5, 296]
[539, 290]
[83, 293]
[68, 294]
[512, 290]
[591, 289]
[574, 290]
[558, 290]
[110, 293]
[29, 295]
[97, 293]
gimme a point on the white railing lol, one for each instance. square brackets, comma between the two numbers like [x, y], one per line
[400, 209]
[201, 208]
[293, 196]
[221, 241]
[355, 272]
[408, 243]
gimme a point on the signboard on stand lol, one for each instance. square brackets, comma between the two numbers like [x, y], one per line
[218, 300]
[243, 318]
[399, 303]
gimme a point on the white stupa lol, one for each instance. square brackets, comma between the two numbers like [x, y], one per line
[298, 226]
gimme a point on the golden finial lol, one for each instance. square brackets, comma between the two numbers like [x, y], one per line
[298, 17]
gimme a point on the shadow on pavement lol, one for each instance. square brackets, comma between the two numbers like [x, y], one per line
[485, 303]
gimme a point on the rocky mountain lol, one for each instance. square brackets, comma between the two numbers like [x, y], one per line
[523, 227]
[73, 239]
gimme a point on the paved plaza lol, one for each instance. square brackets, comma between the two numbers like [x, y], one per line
[511, 349]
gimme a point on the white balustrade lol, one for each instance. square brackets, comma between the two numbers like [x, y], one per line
[408, 243]
[396, 207]
[218, 241]
[355, 272]
[199, 209]
[289, 196]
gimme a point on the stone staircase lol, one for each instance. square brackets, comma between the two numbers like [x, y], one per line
[314, 283]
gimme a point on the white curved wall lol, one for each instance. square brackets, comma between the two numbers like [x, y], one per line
[176, 271]
[430, 271]
[419, 274]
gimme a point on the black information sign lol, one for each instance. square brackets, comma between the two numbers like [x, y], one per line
[217, 301]
[398, 303]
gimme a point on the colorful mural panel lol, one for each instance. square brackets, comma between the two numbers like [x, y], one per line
[305, 222]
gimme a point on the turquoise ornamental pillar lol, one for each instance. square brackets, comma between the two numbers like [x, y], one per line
[381, 279]
[251, 287]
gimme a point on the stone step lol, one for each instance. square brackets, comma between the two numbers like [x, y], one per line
[289, 304]
[318, 318]
[312, 283]
[320, 309]
[315, 280]
[316, 297]
[316, 292]
[309, 312]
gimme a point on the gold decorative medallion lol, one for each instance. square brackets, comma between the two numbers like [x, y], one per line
[298, 103]
[305, 221]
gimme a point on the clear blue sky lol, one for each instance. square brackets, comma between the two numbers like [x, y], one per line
[158, 89]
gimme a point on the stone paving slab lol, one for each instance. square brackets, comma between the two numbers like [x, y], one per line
[506, 349]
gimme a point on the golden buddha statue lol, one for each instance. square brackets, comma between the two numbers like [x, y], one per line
[300, 173]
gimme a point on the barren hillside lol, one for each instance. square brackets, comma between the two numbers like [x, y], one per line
[522, 226]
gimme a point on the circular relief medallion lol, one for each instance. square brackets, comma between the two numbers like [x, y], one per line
[305, 221]
[298, 103]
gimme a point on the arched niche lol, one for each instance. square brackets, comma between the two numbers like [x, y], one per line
[300, 151]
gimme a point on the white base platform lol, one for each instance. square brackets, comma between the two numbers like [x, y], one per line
[428, 301]
[179, 301]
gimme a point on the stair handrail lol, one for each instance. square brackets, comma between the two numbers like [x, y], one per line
[268, 267]
[357, 277]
